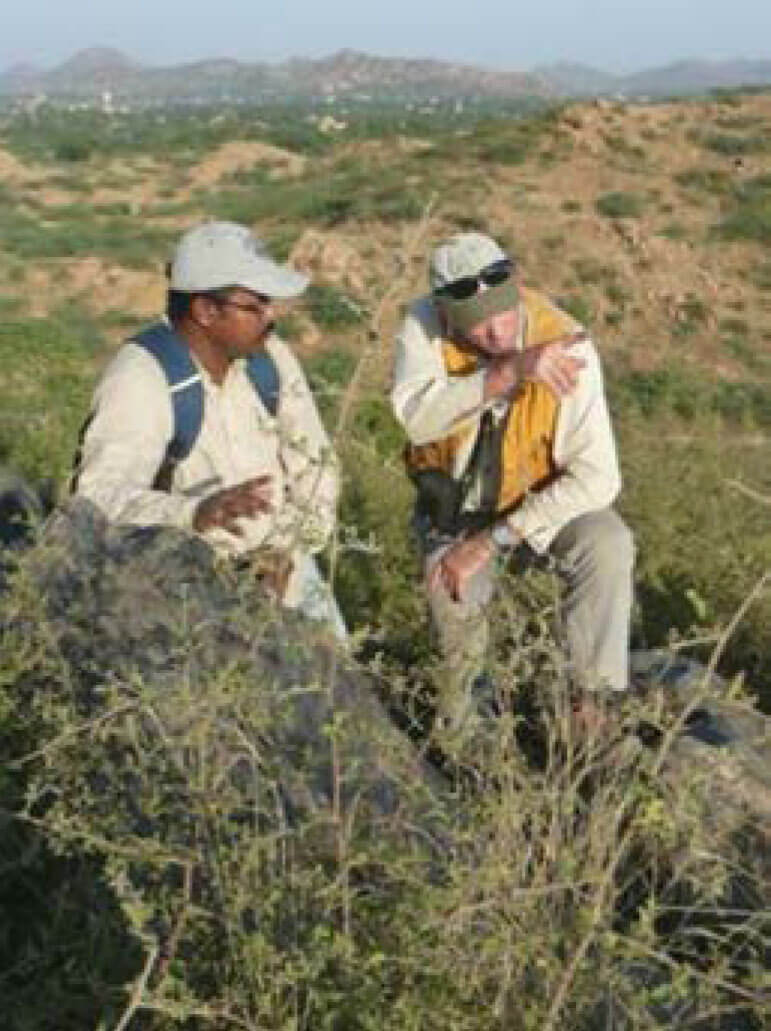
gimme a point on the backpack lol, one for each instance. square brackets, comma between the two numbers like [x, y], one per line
[186, 395]
[186, 389]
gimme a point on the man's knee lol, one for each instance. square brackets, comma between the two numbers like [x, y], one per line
[601, 538]
[615, 543]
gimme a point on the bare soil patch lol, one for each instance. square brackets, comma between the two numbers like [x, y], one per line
[97, 284]
[241, 155]
[13, 171]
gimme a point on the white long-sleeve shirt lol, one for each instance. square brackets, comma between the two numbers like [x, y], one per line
[431, 404]
[131, 425]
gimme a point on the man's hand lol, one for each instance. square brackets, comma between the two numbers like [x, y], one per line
[551, 364]
[273, 569]
[459, 564]
[223, 509]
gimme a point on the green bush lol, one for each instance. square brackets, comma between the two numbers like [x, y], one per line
[77, 230]
[329, 372]
[590, 270]
[50, 368]
[688, 394]
[73, 150]
[579, 307]
[734, 145]
[708, 180]
[541, 893]
[761, 275]
[692, 314]
[751, 215]
[343, 194]
[617, 204]
[674, 231]
[331, 309]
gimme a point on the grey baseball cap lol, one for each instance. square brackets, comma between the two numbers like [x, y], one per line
[218, 254]
[464, 254]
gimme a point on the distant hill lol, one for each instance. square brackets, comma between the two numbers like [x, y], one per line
[350, 73]
[697, 76]
[679, 79]
[578, 80]
[342, 74]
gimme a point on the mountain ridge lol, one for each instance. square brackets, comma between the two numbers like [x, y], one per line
[347, 73]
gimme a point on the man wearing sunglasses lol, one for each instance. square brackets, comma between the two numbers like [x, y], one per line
[511, 450]
[183, 433]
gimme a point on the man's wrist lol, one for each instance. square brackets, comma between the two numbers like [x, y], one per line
[501, 377]
[504, 537]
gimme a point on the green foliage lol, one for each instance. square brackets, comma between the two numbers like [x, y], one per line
[692, 313]
[542, 893]
[674, 231]
[351, 192]
[590, 270]
[73, 150]
[761, 275]
[577, 306]
[751, 215]
[618, 204]
[78, 231]
[676, 389]
[331, 309]
[734, 145]
[505, 142]
[329, 372]
[74, 136]
[48, 376]
[707, 180]
[620, 145]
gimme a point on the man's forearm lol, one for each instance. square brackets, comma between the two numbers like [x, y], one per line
[432, 409]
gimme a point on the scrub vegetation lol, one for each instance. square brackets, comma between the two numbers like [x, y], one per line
[581, 890]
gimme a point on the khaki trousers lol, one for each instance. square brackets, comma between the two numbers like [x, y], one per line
[594, 556]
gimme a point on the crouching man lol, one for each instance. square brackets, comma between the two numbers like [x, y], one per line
[205, 421]
[511, 447]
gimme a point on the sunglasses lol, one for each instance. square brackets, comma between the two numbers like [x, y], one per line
[491, 275]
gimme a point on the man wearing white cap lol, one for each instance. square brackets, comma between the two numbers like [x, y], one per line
[205, 421]
[511, 448]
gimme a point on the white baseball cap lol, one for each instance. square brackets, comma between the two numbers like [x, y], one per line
[464, 254]
[219, 254]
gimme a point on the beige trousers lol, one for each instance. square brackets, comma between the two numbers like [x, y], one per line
[593, 555]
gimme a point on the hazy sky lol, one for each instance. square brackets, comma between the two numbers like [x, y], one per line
[615, 35]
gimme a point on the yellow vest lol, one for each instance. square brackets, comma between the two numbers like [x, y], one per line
[528, 437]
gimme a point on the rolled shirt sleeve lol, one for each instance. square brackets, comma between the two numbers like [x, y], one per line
[124, 445]
[427, 401]
[585, 454]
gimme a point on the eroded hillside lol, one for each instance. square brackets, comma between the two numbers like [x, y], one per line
[650, 222]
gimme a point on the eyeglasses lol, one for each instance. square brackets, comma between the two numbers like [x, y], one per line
[465, 287]
[255, 309]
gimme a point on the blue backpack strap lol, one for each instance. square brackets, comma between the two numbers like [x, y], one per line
[262, 371]
[185, 387]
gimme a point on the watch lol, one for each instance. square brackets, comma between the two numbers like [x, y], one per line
[504, 538]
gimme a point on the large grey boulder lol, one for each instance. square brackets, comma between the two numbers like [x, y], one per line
[724, 737]
[163, 643]
[238, 777]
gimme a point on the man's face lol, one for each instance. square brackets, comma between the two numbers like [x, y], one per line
[496, 335]
[242, 322]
